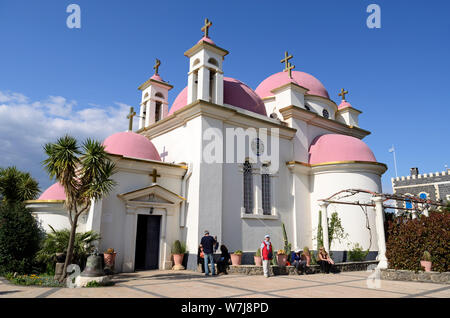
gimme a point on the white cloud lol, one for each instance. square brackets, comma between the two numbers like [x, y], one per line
[25, 126]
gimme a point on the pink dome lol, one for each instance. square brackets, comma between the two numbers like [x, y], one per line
[133, 145]
[156, 77]
[54, 192]
[333, 147]
[303, 79]
[235, 93]
[344, 104]
[207, 39]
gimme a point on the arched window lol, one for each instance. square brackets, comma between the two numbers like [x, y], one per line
[423, 195]
[159, 95]
[248, 187]
[325, 113]
[212, 86]
[158, 108]
[213, 62]
[266, 193]
[408, 203]
[145, 96]
[196, 62]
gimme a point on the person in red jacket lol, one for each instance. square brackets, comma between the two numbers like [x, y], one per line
[267, 254]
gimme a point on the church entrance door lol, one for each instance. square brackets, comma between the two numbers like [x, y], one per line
[147, 242]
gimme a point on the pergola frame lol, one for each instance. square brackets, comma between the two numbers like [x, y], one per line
[420, 206]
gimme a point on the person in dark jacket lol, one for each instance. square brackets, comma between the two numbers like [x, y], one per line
[201, 258]
[208, 243]
[224, 260]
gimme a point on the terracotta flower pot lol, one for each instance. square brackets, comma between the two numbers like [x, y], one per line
[110, 259]
[426, 265]
[178, 259]
[281, 259]
[236, 259]
[258, 260]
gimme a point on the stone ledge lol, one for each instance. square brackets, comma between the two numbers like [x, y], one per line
[405, 275]
[290, 270]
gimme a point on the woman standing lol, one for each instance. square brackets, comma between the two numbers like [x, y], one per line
[224, 260]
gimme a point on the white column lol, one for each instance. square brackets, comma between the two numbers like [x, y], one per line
[203, 84]
[379, 211]
[141, 118]
[130, 240]
[191, 88]
[326, 243]
[219, 88]
[147, 115]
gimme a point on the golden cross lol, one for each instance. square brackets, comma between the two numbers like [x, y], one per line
[156, 67]
[289, 67]
[343, 93]
[130, 117]
[286, 59]
[155, 175]
[206, 27]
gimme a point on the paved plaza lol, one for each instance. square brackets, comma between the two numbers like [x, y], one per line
[191, 284]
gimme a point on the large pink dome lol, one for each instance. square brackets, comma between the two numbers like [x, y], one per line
[303, 79]
[333, 147]
[130, 144]
[235, 93]
[54, 192]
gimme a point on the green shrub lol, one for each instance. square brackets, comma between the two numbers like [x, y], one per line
[33, 280]
[57, 242]
[97, 284]
[426, 256]
[237, 252]
[178, 247]
[408, 239]
[19, 238]
[258, 252]
[357, 254]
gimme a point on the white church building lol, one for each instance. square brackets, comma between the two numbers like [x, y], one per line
[177, 175]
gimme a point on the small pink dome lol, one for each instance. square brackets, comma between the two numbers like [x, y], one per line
[133, 145]
[235, 93]
[344, 104]
[156, 77]
[333, 147]
[300, 78]
[207, 39]
[54, 192]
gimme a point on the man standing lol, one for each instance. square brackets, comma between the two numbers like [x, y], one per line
[267, 254]
[208, 243]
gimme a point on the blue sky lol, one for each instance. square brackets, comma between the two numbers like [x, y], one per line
[54, 79]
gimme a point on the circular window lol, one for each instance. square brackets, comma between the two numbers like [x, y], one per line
[325, 113]
[257, 146]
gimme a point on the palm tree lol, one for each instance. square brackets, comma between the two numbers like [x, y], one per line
[17, 186]
[85, 176]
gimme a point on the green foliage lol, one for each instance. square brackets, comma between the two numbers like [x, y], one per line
[178, 247]
[319, 231]
[313, 258]
[238, 252]
[33, 280]
[258, 252]
[408, 239]
[335, 230]
[287, 245]
[357, 253]
[57, 242]
[97, 284]
[19, 238]
[426, 256]
[17, 186]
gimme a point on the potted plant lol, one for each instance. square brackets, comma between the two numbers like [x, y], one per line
[426, 261]
[236, 258]
[110, 258]
[281, 258]
[178, 251]
[258, 259]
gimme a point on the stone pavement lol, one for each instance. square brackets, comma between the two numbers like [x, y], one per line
[191, 284]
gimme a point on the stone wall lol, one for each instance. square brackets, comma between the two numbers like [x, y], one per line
[290, 270]
[426, 277]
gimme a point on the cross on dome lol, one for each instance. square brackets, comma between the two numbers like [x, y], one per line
[156, 67]
[205, 28]
[343, 93]
[130, 117]
[288, 67]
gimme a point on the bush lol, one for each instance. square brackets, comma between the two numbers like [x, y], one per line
[33, 280]
[19, 238]
[237, 252]
[357, 254]
[178, 247]
[258, 252]
[57, 242]
[409, 239]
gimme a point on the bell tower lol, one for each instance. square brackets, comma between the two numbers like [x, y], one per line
[205, 77]
[154, 103]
